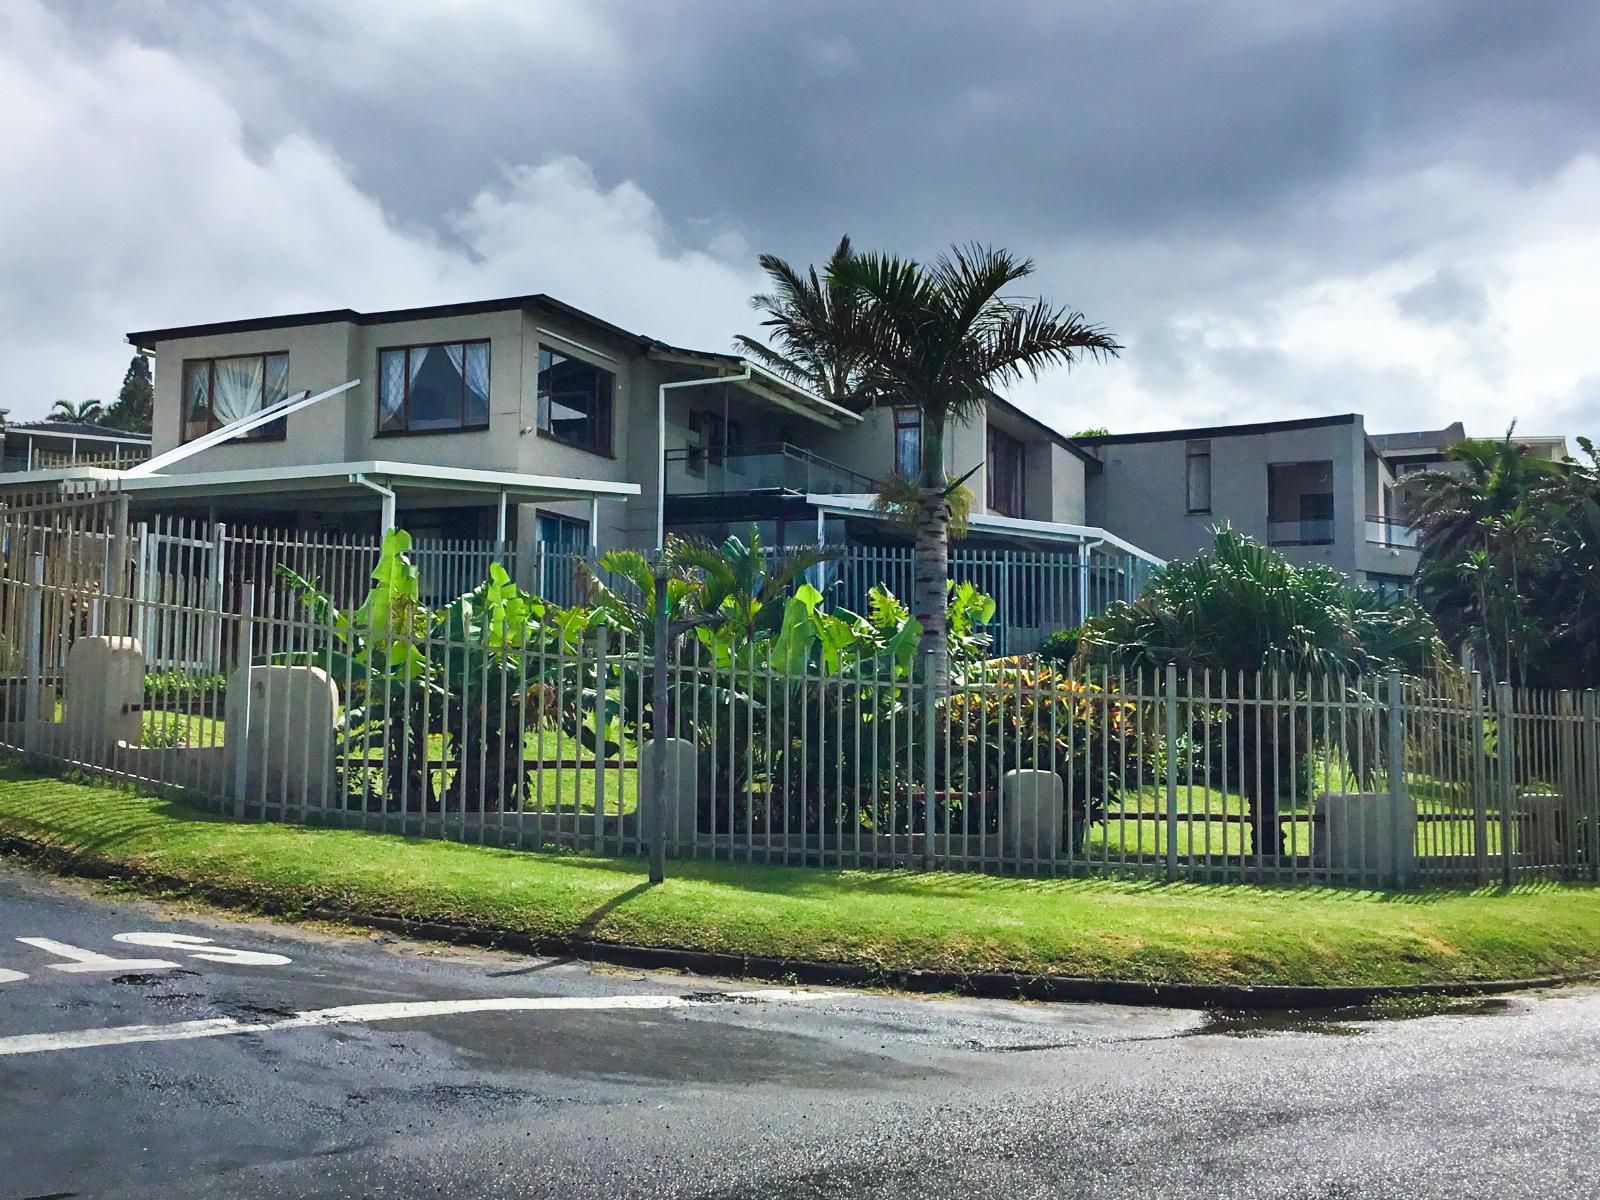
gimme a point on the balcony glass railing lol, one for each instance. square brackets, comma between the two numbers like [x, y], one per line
[1390, 531]
[779, 467]
[1318, 532]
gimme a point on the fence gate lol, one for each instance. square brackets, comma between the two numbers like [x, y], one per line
[178, 589]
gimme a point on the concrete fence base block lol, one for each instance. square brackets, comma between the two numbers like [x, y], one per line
[1547, 840]
[105, 694]
[682, 798]
[1364, 840]
[1031, 804]
[290, 736]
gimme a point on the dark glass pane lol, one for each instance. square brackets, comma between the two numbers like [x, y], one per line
[436, 388]
[392, 390]
[275, 389]
[196, 399]
[574, 401]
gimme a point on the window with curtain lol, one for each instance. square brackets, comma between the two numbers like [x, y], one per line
[574, 401]
[908, 442]
[1004, 469]
[441, 388]
[218, 391]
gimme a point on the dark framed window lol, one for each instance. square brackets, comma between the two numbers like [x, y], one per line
[438, 388]
[1005, 472]
[708, 439]
[908, 442]
[560, 538]
[1197, 477]
[575, 399]
[219, 391]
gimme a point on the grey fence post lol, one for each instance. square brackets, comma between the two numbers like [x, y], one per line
[116, 584]
[1397, 780]
[600, 675]
[1171, 701]
[930, 703]
[1480, 799]
[1568, 774]
[657, 811]
[241, 747]
[33, 640]
[1590, 738]
[1505, 739]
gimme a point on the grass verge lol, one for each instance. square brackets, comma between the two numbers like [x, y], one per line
[892, 920]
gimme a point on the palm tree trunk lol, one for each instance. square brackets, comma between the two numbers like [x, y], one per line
[931, 567]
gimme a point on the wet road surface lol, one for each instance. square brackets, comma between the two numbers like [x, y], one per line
[145, 1052]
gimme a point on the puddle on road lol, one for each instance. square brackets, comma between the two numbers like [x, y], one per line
[1345, 1022]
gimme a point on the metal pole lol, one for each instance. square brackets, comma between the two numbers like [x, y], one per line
[1480, 803]
[930, 702]
[1506, 741]
[241, 680]
[1172, 769]
[659, 731]
[33, 639]
[1397, 779]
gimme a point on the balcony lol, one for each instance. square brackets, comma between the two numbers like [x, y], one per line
[1317, 531]
[1391, 532]
[775, 469]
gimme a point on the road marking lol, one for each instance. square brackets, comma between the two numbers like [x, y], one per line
[11, 976]
[404, 1010]
[204, 949]
[89, 961]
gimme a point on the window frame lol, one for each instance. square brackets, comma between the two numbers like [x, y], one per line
[1018, 485]
[405, 407]
[1190, 456]
[541, 413]
[275, 430]
[907, 417]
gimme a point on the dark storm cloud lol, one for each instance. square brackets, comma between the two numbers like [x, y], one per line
[1447, 297]
[920, 124]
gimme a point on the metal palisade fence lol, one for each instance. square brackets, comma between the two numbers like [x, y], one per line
[269, 708]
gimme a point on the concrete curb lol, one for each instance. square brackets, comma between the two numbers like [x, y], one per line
[995, 985]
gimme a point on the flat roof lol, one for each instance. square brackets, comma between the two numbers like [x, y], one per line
[325, 478]
[1220, 431]
[144, 338]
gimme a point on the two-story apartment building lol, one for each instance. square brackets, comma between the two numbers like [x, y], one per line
[1408, 454]
[1317, 489]
[523, 421]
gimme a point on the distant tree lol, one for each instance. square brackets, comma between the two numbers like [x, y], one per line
[135, 402]
[84, 412]
[1097, 431]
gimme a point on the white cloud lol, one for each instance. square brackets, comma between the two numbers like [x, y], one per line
[144, 203]
[1298, 340]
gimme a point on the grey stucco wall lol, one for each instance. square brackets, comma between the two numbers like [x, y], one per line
[1140, 495]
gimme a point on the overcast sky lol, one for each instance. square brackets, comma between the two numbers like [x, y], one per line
[1282, 209]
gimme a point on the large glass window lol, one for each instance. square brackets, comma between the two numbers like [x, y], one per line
[1197, 476]
[219, 391]
[574, 401]
[908, 443]
[433, 389]
[1004, 469]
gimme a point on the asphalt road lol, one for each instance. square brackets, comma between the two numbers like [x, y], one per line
[298, 1063]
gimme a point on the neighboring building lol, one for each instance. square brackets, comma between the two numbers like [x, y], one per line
[49, 445]
[1317, 489]
[1427, 450]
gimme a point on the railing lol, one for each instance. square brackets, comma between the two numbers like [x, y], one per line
[778, 467]
[1000, 766]
[1391, 531]
[1316, 532]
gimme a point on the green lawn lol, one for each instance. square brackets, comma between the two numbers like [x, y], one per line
[899, 919]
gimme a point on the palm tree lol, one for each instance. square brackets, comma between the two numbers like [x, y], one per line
[812, 319]
[1482, 539]
[941, 339]
[85, 412]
